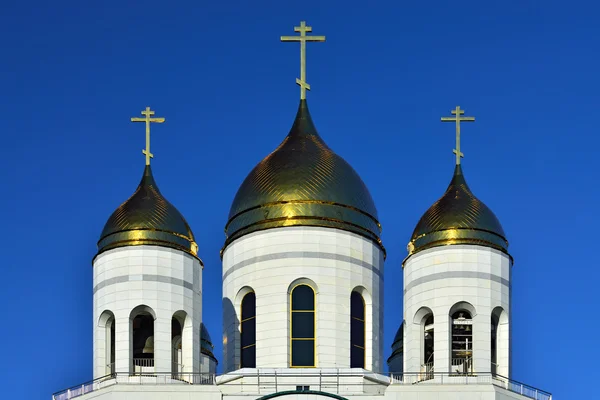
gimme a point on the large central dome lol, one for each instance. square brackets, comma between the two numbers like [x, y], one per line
[303, 183]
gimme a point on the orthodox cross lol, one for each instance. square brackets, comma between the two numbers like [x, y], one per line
[457, 112]
[148, 113]
[304, 86]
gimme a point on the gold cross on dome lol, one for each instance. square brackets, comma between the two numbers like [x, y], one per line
[304, 86]
[457, 112]
[148, 113]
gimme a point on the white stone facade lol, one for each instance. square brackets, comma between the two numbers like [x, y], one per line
[162, 282]
[442, 280]
[321, 386]
[333, 262]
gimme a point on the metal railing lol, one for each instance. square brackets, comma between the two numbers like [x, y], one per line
[445, 378]
[126, 378]
[346, 381]
[427, 370]
[462, 366]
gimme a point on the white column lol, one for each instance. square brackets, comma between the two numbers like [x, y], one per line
[162, 343]
[123, 340]
[482, 344]
[189, 346]
[442, 340]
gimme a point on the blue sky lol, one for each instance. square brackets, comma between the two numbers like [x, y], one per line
[73, 73]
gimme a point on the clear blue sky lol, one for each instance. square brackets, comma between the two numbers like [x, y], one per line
[73, 73]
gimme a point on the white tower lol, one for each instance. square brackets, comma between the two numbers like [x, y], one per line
[303, 261]
[457, 285]
[147, 286]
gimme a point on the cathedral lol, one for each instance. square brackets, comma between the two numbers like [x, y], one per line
[302, 280]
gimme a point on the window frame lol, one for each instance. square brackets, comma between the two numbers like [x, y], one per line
[314, 336]
[364, 329]
[242, 320]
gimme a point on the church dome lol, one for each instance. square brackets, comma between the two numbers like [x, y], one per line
[303, 183]
[147, 218]
[458, 217]
[206, 345]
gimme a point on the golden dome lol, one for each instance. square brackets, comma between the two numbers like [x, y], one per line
[303, 183]
[147, 218]
[458, 217]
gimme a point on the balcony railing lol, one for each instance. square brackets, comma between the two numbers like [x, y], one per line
[427, 370]
[353, 381]
[462, 366]
[444, 378]
[143, 365]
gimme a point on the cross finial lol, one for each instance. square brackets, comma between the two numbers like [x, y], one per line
[304, 86]
[148, 113]
[457, 112]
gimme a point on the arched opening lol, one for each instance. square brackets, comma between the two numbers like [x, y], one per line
[499, 342]
[428, 345]
[142, 338]
[302, 326]
[494, 345]
[177, 325]
[357, 331]
[248, 331]
[424, 319]
[462, 342]
[106, 324]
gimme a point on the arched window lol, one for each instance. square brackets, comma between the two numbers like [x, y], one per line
[248, 331]
[428, 344]
[494, 345]
[357, 331]
[106, 325]
[177, 326]
[142, 328]
[302, 310]
[462, 342]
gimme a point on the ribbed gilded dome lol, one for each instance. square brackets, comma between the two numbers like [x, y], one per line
[303, 183]
[147, 218]
[458, 217]
[206, 345]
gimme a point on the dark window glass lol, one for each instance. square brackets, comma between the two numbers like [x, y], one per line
[303, 353]
[248, 306]
[357, 306]
[303, 325]
[303, 298]
[357, 357]
[248, 331]
[357, 331]
[249, 357]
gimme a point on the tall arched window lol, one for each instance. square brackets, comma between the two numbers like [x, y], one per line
[248, 331]
[428, 345]
[462, 342]
[106, 325]
[302, 310]
[142, 327]
[357, 331]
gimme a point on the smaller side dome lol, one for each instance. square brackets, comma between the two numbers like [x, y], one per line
[458, 217]
[147, 218]
[206, 346]
[397, 349]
